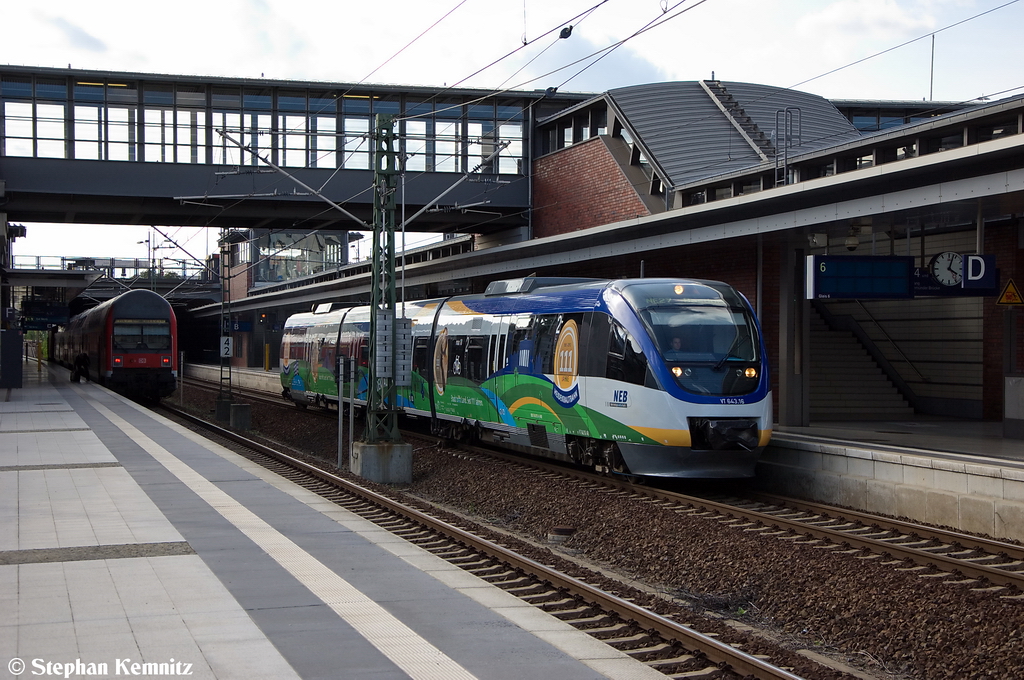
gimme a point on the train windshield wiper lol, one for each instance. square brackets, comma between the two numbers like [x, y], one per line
[728, 353]
[721, 362]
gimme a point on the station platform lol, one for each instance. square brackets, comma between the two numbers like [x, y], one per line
[132, 546]
[952, 473]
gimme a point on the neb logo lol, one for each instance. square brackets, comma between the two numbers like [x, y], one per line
[620, 396]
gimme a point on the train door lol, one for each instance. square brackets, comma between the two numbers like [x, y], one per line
[354, 343]
[533, 339]
[462, 361]
[501, 380]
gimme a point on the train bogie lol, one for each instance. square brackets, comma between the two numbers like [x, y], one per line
[650, 377]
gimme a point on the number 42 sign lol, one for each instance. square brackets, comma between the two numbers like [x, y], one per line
[227, 346]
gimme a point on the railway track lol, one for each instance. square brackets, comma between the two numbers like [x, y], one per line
[672, 647]
[956, 558]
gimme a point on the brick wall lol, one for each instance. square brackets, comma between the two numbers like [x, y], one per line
[581, 186]
[1000, 241]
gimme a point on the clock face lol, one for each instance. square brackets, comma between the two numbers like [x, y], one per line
[947, 268]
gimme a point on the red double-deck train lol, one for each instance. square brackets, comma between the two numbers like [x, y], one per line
[131, 342]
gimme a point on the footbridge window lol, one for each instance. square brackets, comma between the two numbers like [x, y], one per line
[199, 123]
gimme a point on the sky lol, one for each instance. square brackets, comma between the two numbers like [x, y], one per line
[826, 47]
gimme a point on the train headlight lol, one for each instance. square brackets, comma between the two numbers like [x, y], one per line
[119, 361]
[676, 371]
[750, 372]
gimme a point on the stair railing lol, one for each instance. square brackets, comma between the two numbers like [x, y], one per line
[893, 343]
[846, 322]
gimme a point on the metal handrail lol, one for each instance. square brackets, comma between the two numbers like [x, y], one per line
[893, 343]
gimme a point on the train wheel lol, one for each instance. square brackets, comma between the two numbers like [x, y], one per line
[583, 451]
[613, 463]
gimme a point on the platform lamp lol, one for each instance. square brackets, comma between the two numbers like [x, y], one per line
[149, 257]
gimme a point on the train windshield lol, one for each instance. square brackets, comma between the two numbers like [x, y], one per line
[704, 332]
[148, 335]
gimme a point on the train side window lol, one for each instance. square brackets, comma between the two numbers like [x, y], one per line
[533, 343]
[476, 358]
[626, 360]
[546, 336]
[594, 360]
[420, 355]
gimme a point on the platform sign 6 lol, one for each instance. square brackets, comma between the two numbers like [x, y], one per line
[227, 346]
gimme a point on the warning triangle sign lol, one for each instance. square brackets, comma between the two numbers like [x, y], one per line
[1010, 295]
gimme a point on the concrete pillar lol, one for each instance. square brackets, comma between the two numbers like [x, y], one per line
[241, 416]
[382, 462]
[223, 410]
[794, 339]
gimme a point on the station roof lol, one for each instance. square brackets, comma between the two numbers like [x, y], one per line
[695, 129]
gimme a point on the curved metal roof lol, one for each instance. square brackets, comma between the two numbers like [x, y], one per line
[689, 135]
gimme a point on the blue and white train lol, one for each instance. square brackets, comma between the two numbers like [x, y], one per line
[646, 377]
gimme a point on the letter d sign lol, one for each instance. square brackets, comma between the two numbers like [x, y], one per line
[980, 271]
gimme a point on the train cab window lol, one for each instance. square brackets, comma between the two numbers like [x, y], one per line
[705, 333]
[146, 335]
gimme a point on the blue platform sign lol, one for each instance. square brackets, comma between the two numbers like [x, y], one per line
[859, 277]
[855, 277]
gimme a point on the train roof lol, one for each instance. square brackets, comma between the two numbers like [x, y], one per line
[139, 303]
[536, 294]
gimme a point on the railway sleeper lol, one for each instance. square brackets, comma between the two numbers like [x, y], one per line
[648, 653]
[633, 642]
[512, 583]
[659, 664]
[920, 545]
[413, 532]
[488, 569]
[617, 630]
[525, 591]
[561, 605]
[706, 672]
[574, 614]
[992, 559]
[469, 562]
[598, 620]
[541, 598]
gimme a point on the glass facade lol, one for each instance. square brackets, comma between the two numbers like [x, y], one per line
[200, 123]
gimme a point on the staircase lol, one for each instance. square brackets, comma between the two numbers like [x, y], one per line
[728, 104]
[846, 383]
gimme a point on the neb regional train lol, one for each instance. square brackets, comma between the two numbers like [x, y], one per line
[131, 341]
[646, 377]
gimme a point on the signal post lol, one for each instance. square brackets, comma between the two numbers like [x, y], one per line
[382, 456]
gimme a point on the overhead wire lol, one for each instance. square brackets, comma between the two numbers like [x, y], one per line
[681, 126]
[605, 51]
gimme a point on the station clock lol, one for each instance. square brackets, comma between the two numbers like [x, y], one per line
[947, 268]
